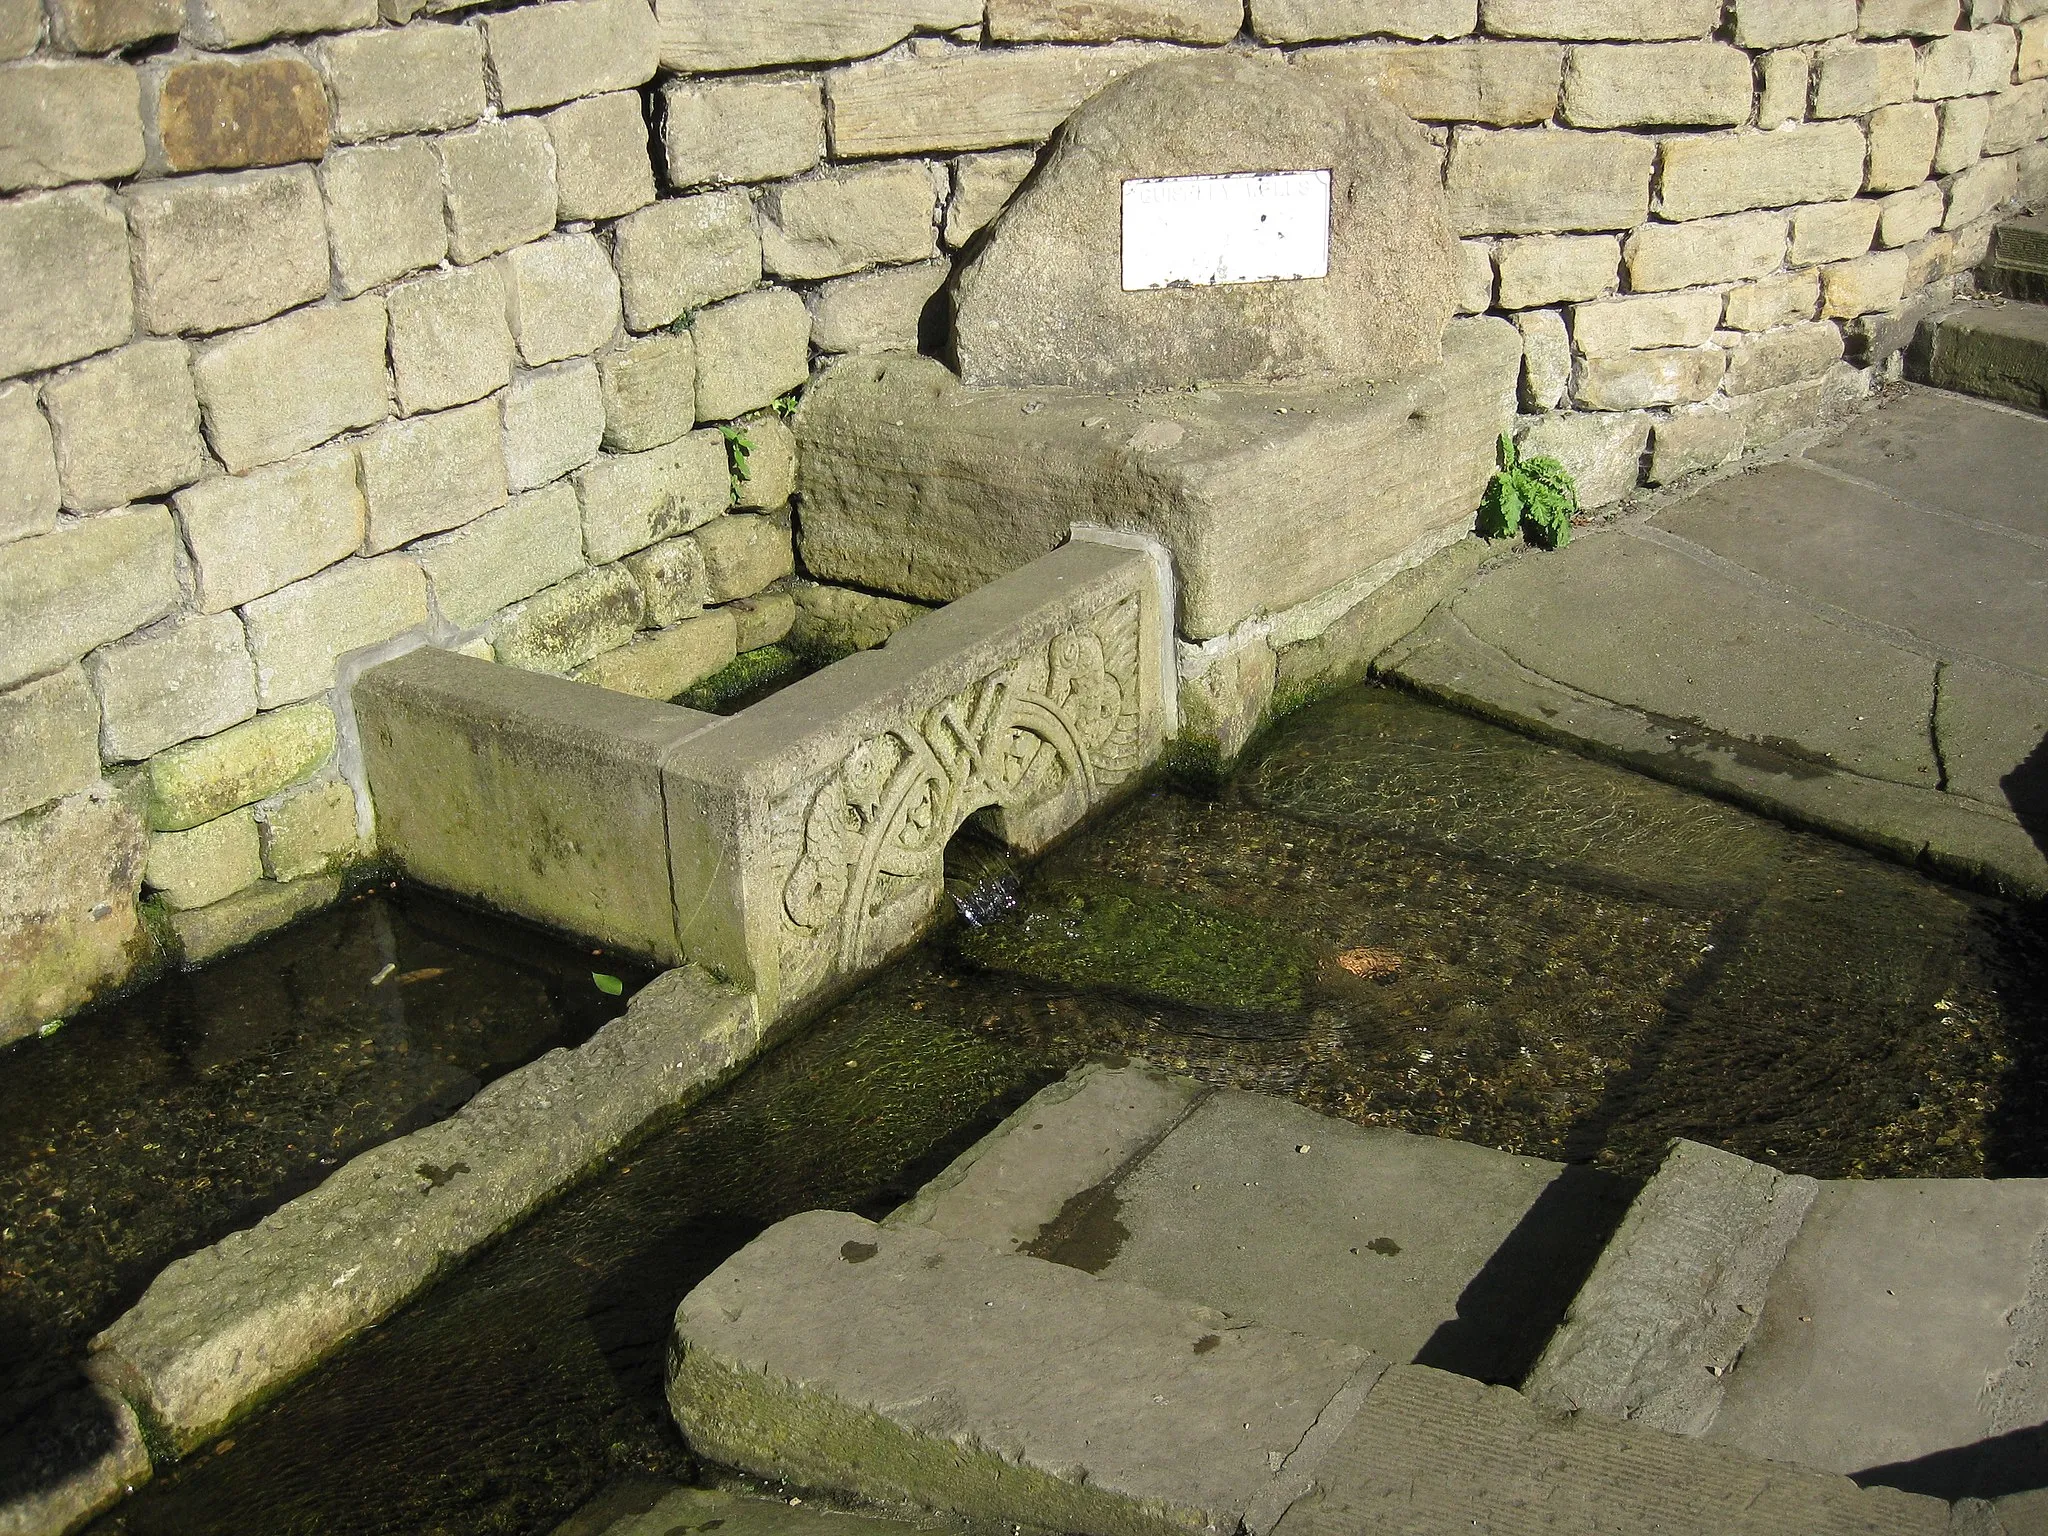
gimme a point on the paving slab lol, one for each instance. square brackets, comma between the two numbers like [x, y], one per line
[1903, 1323]
[1918, 442]
[1992, 725]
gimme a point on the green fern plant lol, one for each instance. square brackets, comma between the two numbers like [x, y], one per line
[1534, 497]
[738, 446]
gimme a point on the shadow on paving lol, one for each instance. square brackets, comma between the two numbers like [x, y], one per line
[2015, 1462]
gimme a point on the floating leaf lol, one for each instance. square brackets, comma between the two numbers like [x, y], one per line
[610, 986]
[49, 1029]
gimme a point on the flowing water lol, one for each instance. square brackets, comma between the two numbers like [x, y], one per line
[1391, 913]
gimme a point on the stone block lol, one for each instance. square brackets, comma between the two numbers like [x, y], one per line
[544, 54]
[309, 831]
[1963, 126]
[1315, 21]
[571, 622]
[1786, 75]
[1908, 18]
[1092, 21]
[946, 100]
[554, 421]
[450, 343]
[1043, 302]
[1779, 300]
[661, 664]
[1629, 21]
[500, 183]
[21, 28]
[1612, 326]
[298, 633]
[843, 220]
[70, 249]
[69, 926]
[505, 555]
[972, 485]
[1476, 277]
[743, 552]
[1634, 381]
[202, 780]
[1873, 282]
[1602, 449]
[2033, 175]
[29, 493]
[431, 473]
[68, 120]
[101, 26]
[1701, 175]
[635, 499]
[1947, 65]
[230, 114]
[1832, 232]
[215, 252]
[1722, 250]
[206, 863]
[2033, 50]
[1783, 356]
[1984, 187]
[1851, 79]
[1555, 269]
[1932, 255]
[561, 296]
[1546, 359]
[384, 212]
[125, 425]
[65, 592]
[238, 23]
[706, 36]
[2019, 118]
[683, 253]
[649, 388]
[831, 622]
[762, 619]
[1502, 84]
[751, 351]
[671, 578]
[1905, 217]
[1994, 56]
[251, 534]
[204, 934]
[49, 741]
[418, 79]
[716, 132]
[879, 311]
[191, 677]
[601, 164]
[1686, 84]
[982, 186]
[1902, 142]
[1539, 180]
[1779, 23]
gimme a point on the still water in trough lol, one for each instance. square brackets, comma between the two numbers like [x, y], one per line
[1391, 913]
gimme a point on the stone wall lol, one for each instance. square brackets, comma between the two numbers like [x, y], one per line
[329, 326]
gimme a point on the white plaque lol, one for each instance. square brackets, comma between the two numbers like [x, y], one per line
[1199, 231]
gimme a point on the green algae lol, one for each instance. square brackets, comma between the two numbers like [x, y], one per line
[746, 679]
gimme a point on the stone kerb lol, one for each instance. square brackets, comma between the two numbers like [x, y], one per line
[808, 833]
[1044, 303]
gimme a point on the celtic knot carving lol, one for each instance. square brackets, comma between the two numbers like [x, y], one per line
[1061, 720]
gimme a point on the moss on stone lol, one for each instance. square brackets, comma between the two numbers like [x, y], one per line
[749, 676]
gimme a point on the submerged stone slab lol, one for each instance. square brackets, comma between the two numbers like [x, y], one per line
[1044, 302]
[70, 1459]
[916, 485]
[1677, 1294]
[220, 1330]
[807, 833]
[911, 1367]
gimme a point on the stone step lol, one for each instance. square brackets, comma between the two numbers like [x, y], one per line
[902, 1365]
[1990, 348]
[2018, 264]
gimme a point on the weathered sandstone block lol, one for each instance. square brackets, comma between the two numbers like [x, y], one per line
[844, 220]
[298, 632]
[1109, 21]
[226, 114]
[650, 391]
[1476, 277]
[702, 36]
[1851, 79]
[750, 351]
[29, 493]
[281, 388]
[431, 473]
[631, 500]
[1902, 143]
[1783, 356]
[671, 578]
[201, 780]
[1618, 86]
[126, 426]
[1044, 303]
[504, 555]
[601, 164]
[21, 28]
[500, 181]
[238, 23]
[1504, 84]
[1778, 300]
[214, 252]
[771, 468]
[205, 864]
[1314, 21]
[1709, 173]
[571, 622]
[65, 592]
[189, 678]
[1778, 23]
[2019, 118]
[543, 54]
[418, 79]
[49, 740]
[1723, 250]
[1534, 181]
[68, 120]
[1908, 18]
[879, 311]
[309, 831]
[982, 186]
[70, 249]
[1546, 359]
[1785, 81]
[1602, 449]
[384, 212]
[449, 340]
[662, 664]
[1655, 320]
[1963, 126]
[743, 552]
[685, 252]
[1634, 381]
[1876, 281]
[762, 619]
[1630, 21]
[561, 296]
[554, 420]
[720, 131]
[253, 533]
[1832, 231]
[1985, 186]
[204, 934]
[101, 26]
[1551, 269]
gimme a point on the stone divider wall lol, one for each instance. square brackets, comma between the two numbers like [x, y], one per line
[328, 326]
